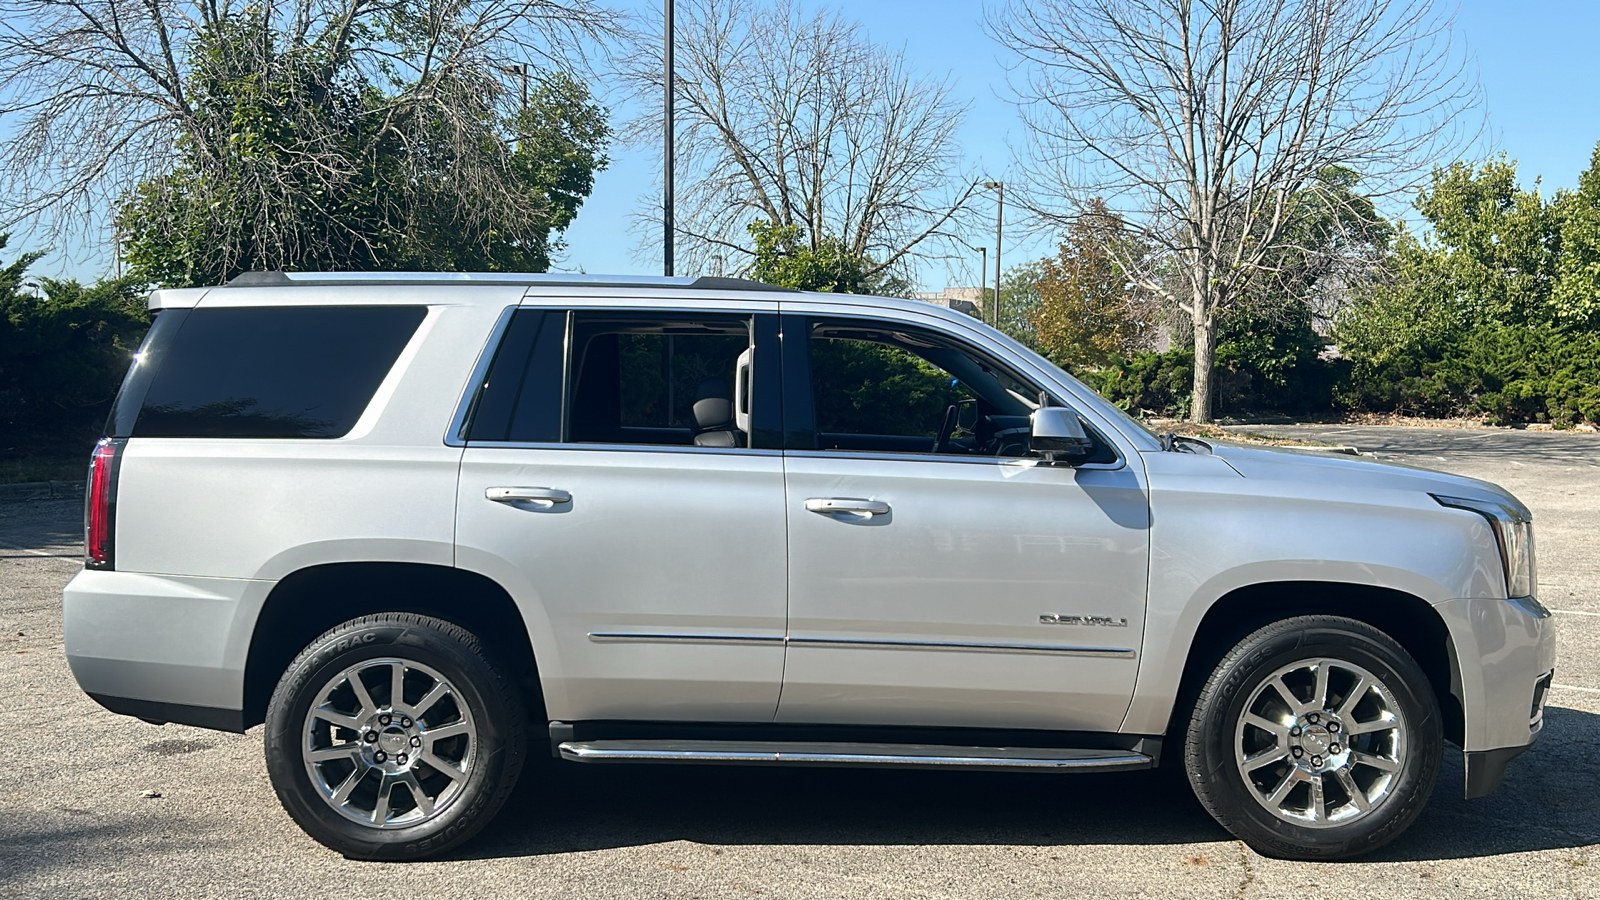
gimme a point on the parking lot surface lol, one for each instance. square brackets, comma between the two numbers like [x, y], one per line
[97, 805]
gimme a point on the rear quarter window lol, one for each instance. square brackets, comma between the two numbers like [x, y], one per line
[268, 372]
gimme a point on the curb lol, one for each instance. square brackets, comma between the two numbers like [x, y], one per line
[41, 490]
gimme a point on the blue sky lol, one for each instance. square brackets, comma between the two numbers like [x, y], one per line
[1536, 59]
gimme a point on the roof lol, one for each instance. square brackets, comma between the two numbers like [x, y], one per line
[703, 283]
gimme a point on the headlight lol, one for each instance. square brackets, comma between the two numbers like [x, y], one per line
[1513, 531]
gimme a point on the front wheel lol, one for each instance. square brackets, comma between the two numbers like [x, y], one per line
[393, 737]
[1316, 738]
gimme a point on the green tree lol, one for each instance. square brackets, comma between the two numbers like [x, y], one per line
[1575, 296]
[784, 257]
[297, 158]
[1089, 311]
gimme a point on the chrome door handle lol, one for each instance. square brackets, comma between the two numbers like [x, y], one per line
[542, 495]
[830, 505]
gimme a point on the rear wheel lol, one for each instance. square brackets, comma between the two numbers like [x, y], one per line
[1316, 737]
[393, 737]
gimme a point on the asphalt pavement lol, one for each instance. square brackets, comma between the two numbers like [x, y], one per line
[97, 805]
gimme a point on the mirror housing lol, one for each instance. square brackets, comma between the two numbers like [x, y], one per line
[1058, 436]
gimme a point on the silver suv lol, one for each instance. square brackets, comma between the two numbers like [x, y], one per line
[418, 525]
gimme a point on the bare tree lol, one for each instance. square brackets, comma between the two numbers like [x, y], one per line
[1211, 125]
[796, 118]
[100, 96]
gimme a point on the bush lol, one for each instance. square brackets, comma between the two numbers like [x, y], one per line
[64, 347]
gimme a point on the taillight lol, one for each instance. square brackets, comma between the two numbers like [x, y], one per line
[100, 503]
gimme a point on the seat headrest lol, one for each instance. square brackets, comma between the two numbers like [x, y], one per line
[713, 403]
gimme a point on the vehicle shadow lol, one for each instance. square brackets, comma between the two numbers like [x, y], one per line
[564, 808]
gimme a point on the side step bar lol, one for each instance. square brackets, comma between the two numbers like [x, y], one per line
[849, 754]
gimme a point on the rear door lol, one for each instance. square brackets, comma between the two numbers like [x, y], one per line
[622, 479]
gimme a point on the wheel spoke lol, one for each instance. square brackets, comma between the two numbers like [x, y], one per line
[447, 769]
[1376, 762]
[341, 795]
[338, 718]
[1357, 795]
[397, 685]
[1270, 726]
[1385, 722]
[1287, 695]
[1290, 778]
[341, 751]
[445, 731]
[1319, 800]
[434, 695]
[1319, 694]
[1264, 758]
[380, 810]
[418, 795]
[1348, 705]
[359, 687]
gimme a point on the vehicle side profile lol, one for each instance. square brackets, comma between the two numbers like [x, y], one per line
[426, 528]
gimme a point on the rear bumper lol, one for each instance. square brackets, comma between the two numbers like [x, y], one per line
[160, 647]
[1505, 653]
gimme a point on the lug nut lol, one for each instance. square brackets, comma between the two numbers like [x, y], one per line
[1333, 726]
[380, 756]
[1297, 752]
[372, 737]
[1295, 731]
[1312, 718]
[1333, 748]
[401, 759]
[1316, 762]
[383, 720]
[416, 742]
[405, 722]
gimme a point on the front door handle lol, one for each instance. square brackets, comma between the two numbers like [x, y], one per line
[541, 495]
[848, 505]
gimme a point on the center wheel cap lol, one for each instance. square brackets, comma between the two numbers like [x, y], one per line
[1315, 739]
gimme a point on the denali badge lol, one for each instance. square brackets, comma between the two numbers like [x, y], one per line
[1051, 619]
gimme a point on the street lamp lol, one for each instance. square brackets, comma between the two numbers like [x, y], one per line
[983, 269]
[999, 219]
[667, 189]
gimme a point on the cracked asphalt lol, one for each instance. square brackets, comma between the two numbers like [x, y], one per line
[78, 815]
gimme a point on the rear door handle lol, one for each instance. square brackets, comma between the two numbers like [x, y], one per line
[541, 495]
[849, 505]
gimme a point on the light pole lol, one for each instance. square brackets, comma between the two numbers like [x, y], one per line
[983, 269]
[999, 220]
[522, 70]
[666, 206]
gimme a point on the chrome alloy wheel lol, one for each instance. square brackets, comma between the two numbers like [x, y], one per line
[1320, 743]
[384, 724]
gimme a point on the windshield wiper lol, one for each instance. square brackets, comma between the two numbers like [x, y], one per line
[1173, 442]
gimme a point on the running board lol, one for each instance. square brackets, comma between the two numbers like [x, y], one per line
[849, 754]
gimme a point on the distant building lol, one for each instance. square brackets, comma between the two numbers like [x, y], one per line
[961, 299]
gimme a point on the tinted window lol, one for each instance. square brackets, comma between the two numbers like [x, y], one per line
[658, 381]
[521, 398]
[273, 372]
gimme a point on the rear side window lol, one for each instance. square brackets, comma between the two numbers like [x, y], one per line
[272, 372]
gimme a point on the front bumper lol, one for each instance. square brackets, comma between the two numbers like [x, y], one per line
[163, 648]
[1505, 653]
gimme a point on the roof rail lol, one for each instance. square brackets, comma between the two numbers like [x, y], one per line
[703, 283]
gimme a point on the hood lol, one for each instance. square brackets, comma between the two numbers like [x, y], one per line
[1345, 472]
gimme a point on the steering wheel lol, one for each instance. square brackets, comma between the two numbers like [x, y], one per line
[947, 429]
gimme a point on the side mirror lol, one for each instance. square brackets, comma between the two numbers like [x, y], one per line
[1058, 436]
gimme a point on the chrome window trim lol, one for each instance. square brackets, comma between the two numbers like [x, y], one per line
[642, 637]
[624, 448]
[453, 436]
[1120, 463]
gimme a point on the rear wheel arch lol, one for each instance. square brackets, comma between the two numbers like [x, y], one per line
[1410, 620]
[309, 601]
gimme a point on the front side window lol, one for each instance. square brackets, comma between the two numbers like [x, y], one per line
[676, 379]
[878, 387]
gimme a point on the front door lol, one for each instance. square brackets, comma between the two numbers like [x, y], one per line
[640, 533]
[938, 574]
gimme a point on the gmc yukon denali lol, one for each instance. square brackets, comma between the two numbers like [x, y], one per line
[429, 530]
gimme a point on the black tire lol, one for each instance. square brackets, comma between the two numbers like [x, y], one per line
[490, 705]
[1216, 741]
